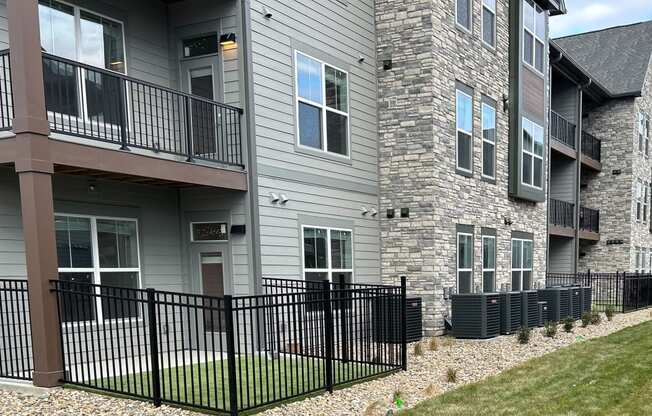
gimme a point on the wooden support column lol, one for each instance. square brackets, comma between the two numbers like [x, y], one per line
[34, 167]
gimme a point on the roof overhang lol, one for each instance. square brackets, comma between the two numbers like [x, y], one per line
[566, 65]
[555, 7]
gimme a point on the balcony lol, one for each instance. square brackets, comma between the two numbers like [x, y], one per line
[589, 223]
[562, 130]
[561, 216]
[98, 105]
[592, 149]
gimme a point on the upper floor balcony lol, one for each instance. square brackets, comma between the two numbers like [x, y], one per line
[562, 130]
[591, 147]
[562, 220]
[564, 140]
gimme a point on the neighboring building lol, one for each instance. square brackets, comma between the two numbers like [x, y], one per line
[463, 90]
[614, 95]
[190, 146]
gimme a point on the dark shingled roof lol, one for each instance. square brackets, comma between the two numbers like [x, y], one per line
[617, 57]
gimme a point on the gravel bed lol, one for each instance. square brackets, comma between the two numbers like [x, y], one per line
[425, 378]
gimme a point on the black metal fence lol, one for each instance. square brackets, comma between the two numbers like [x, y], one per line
[16, 359]
[562, 213]
[562, 130]
[591, 146]
[625, 292]
[229, 354]
[101, 105]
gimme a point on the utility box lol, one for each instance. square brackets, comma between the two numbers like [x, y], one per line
[586, 298]
[575, 296]
[530, 311]
[475, 315]
[542, 313]
[510, 312]
[558, 302]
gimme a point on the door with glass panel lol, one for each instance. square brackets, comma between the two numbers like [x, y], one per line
[199, 69]
[522, 251]
[78, 95]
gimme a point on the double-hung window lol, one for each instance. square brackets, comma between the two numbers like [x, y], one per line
[532, 155]
[646, 188]
[639, 200]
[463, 12]
[643, 133]
[464, 263]
[522, 251]
[322, 106]
[489, 22]
[327, 254]
[488, 263]
[464, 131]
[534, 35]
[638, 259]
[80, 35]
[100, 251]
[488, 141]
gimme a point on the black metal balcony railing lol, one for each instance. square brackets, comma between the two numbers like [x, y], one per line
[589, 220]
[562, 213]
[93, 103]
[591, 146]
[562, 130]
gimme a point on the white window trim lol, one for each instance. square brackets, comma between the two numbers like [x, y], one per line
[490, 142]
[533, 155]
[645, 193]
[96, 270]
[523, 269]
[457, 261]
[329, 270]
[469, 133]
[192, 235]
[457, 23]
[534, 43]
[639, 201]
[493, 13]
[489, 237]
[323, 107]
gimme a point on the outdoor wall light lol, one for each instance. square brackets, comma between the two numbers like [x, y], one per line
[273, 197]
[364, 210]
[227, 39]
[284, 199]
[374, 212]
[361, 59]
[267, 13]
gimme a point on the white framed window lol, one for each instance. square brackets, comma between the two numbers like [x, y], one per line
[464, 263]
[646, 188]
[464, 131]
[488, 263]
[463, 13]
[534, 35]
[532, 154]
[327, 254]
[639, 200]
[522, 252]
[322, 106]
[638, 259]
[101, 251]
[643, 133]
[488, 141]
[489, 23]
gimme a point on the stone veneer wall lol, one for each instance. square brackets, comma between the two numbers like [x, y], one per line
[616, 124]
[417, 151]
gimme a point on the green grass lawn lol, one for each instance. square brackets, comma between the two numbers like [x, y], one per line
[259, 381]
[604, 376]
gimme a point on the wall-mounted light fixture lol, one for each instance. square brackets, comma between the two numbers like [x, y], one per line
[267, 13]
[364, 210]
[361, 59]
[284, 199]
[273, 197]
[227, 39]
[374, 212]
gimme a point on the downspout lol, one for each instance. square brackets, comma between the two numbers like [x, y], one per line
[579, 128]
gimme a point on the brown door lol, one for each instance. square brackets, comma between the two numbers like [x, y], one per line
[212, 277]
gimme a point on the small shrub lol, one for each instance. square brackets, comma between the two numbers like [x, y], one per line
[373, 409]
[569, 324]
[550, 329]
[586, 319]
[433, 344]
[431, 390]
[397, 397]
[447, 342]
[418, 349]
[523, 335]
[595, 318]
[609, 312]
[451, 375]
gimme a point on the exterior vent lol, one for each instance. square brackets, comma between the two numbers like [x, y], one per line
[387, 315]
[476, 315]
[510, 312]
[558, 299]
[542, 313]
[586, 298]
[575, 302]
[530, 311]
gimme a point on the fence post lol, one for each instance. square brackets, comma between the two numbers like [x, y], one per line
[230, 353]
[404, 322]
[153, 347]
[328, 327]
[188, 111]
[123, 114]
[344, 337]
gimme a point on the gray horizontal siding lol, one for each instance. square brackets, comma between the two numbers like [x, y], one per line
[561, 255]
[563, 179]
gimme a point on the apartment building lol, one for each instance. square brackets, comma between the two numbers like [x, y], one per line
[463, 104]
[190, 146]
[601, 104]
